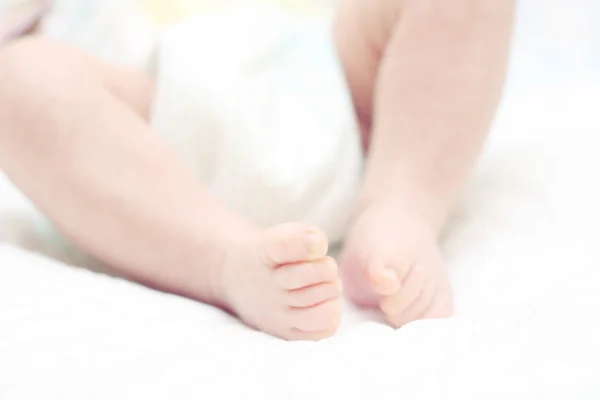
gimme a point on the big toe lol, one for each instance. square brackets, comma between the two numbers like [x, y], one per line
[383, 280]
[366, 282]
[292, 243]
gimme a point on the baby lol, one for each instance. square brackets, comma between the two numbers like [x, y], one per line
[425, 79]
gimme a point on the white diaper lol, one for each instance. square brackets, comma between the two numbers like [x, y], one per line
[255, 101]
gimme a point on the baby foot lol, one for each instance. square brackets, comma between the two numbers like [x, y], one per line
[392, 260]
[281, 282]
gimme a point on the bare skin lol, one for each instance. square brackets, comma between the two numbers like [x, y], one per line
[74, 137]
[426, 78]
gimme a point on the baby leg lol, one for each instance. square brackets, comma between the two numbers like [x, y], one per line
[426, 78]
[74, 138]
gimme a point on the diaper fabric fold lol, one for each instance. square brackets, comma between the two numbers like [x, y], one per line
[255, 101]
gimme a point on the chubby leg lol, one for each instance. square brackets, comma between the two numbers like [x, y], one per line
[74, 138]
[426, 79]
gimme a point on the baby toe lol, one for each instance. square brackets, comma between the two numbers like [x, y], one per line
[298, 276]
[289, 243]
[414, 310]
[395, 306]
[383, 280]
[322, 317]
[442, 305]
[313, 295]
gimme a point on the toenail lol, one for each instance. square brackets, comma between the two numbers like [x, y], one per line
[315, 242]
[390, 276]
[385, 281]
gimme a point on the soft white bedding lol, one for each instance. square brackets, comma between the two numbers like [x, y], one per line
[522, 248]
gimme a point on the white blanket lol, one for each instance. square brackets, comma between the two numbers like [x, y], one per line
[522, 249]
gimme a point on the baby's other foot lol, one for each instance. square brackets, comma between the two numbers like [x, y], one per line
[392, 261]
[280, 281]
